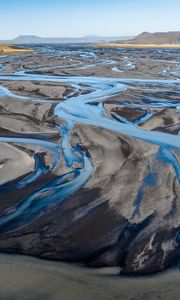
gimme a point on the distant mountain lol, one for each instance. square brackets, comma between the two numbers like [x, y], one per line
[157, 38]
[32, 39]
[26, 39]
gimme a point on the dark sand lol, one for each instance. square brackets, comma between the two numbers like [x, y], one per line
[26, 278]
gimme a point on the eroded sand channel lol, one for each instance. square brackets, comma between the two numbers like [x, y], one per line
[98, 157]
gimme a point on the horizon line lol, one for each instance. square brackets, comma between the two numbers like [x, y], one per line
[85, 36]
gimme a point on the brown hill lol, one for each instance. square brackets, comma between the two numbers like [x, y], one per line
[157, 38]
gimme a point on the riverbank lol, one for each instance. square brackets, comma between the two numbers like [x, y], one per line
[140, 46]
[12, 50]
[28, 278]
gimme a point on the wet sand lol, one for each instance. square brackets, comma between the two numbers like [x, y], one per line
[26, 278]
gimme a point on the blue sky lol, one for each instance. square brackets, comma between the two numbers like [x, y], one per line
[57, 18]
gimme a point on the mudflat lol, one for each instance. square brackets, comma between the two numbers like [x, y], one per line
[28, 278]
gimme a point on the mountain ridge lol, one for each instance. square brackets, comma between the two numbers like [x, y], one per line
[33, 39]
[158, 38]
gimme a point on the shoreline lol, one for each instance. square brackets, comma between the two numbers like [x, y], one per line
[140, 46]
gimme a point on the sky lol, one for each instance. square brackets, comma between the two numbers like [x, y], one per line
[58, 18]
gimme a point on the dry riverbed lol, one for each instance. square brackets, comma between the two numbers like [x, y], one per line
[140, 46]
[12, 50]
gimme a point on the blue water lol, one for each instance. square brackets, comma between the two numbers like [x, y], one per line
[149, 181]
